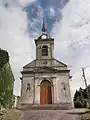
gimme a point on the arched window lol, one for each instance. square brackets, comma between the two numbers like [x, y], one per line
[28, 87]
[45, 50]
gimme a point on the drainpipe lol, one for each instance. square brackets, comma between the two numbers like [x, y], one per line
[34, 90]
[52, 86]
[34, 85]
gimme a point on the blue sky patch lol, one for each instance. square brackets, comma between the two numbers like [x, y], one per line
[50, 10]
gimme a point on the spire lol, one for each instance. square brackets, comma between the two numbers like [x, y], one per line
[44, 26]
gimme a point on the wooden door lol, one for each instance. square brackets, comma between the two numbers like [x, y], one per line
[45, 93]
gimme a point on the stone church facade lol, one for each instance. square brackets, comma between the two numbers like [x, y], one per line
[45, 80]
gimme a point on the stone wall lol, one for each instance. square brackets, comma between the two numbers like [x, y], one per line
[60, 95]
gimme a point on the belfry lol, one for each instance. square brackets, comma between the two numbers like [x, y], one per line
[45, 80]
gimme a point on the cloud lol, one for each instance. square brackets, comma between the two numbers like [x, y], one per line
[35, 17]
[25, 2]
[15, 39]
[51, 11]
[72, 36]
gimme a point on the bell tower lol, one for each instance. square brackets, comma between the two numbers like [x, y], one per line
[44, 45]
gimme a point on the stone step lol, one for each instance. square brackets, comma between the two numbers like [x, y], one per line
[46, 107]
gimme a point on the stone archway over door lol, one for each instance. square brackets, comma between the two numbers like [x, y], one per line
[45, 92]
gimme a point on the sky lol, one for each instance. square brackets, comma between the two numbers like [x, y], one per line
[21, 22]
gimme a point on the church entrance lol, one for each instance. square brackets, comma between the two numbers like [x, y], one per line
[45, 92]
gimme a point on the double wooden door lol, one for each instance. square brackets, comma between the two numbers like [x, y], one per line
[45, 93]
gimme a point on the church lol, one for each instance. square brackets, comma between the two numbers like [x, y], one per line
[45, 80]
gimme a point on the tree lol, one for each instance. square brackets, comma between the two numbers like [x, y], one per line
[80, 98]
[4, 58]
[6, 80]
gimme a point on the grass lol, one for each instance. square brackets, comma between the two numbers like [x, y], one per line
[86, 116]
[11, 115]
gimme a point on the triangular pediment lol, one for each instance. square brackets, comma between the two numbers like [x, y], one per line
[59, 63]
[39, 63]
[31, 64]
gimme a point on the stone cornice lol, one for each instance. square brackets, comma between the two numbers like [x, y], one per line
[34, 72]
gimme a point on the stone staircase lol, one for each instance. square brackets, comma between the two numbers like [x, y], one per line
[47, 107]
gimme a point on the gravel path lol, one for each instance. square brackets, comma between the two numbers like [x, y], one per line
[48, 115]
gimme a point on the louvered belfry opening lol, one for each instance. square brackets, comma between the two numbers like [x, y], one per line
[45, 50]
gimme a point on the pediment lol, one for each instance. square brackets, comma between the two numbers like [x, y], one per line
[59, 63]
[41, 63]
[31, 64]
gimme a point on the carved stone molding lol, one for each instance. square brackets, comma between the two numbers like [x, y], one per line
[40, 79]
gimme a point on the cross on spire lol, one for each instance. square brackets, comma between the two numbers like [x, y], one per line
[44, 26]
